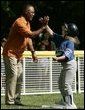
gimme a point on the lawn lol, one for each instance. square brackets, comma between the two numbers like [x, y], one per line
[36, 101]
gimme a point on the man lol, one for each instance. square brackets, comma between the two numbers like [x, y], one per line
[20, 36]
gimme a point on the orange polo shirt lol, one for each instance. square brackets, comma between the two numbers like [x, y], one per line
[17, 39]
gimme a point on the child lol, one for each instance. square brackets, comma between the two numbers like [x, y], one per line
[65, 55]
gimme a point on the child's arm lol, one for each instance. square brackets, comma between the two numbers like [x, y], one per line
[49, 30]
[61, 58]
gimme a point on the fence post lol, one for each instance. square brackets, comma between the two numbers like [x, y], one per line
[51, 74]
[24, 75]
[78, 75]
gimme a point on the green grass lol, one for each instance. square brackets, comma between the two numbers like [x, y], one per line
[36, 101]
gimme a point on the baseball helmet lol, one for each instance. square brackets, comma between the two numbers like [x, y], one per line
[71, 29]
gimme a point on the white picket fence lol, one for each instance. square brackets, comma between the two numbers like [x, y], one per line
[42, 77]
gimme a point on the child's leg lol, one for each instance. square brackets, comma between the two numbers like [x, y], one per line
[68, 76]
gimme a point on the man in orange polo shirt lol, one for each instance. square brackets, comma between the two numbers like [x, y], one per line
[20, 36]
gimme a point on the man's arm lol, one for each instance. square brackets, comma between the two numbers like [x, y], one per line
[37, 32]
[30, 46]
[25, 31]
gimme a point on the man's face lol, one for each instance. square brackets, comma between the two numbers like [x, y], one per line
[30, 12]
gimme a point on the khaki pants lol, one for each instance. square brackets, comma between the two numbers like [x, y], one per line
[66, 79]
[13, 71]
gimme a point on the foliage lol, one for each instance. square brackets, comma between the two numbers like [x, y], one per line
[58, 11]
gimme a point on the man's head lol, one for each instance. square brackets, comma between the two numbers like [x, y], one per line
[29, 12]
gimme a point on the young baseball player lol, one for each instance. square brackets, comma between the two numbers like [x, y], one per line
[65, 55]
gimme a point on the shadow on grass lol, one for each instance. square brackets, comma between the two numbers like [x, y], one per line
[30, 106]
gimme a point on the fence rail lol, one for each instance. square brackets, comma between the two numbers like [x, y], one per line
[42, 77]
